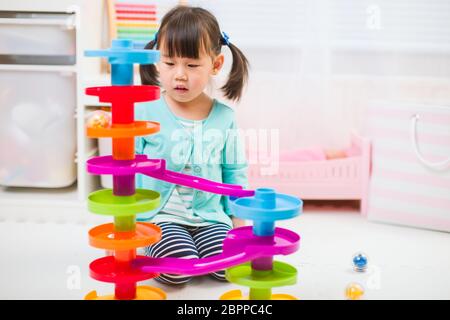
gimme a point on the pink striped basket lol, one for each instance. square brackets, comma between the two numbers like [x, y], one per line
[410, 182]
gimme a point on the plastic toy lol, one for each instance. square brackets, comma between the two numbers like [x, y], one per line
[123, 202]
[354, 291]
[360, 262]
[257, 244]
[247, 252]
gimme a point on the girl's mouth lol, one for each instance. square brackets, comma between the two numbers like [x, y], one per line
[181, 89]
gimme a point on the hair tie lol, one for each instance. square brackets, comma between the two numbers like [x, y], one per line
[225, 39]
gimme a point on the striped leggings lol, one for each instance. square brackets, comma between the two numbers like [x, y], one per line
[182, 241]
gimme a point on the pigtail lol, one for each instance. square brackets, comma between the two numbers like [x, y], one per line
[238, 75]
[148, 72]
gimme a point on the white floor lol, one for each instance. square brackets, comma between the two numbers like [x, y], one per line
[49, 260]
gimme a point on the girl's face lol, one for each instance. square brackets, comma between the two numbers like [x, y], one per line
[184, 79]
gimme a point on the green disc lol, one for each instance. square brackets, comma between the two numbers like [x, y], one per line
[106, 203]
[282, 274]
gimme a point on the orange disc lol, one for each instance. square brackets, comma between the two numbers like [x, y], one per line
[104, 237]
[138, 128]
[142, 293]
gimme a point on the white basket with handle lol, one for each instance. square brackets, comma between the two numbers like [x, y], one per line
[410, 183]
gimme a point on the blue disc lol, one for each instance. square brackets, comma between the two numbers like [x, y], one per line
[122, 52]
[267, 206]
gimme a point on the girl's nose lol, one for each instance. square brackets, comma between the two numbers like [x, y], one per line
[181, 74]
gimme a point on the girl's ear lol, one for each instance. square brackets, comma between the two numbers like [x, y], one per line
[218, 63]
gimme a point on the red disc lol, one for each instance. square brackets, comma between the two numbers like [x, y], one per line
[106, 270]
[124, 94]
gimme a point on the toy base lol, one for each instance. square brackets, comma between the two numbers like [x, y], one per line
[237, 295]
[142, 293]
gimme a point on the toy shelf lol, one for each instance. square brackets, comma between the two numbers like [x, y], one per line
[42, 22]
[28, 67]
[62, 59]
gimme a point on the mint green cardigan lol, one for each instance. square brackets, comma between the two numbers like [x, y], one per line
[218, 155]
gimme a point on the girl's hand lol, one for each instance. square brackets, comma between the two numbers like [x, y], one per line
[237, 222]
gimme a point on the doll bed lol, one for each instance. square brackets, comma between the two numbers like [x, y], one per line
[335, 179]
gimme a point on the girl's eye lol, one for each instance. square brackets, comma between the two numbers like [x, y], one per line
[193, 65]
[169, 63]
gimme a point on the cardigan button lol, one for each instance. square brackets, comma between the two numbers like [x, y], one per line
[197, 169]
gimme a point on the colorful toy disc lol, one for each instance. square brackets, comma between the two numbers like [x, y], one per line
[138, 128]
[105, 237]
[125, 96]
[105, 203]
[243, 239]
[105, 269]
[237, 295]
[156, 168]
[107, 165]
[240, 246]
[123, 52]
[267, 205]
[142, 293]
[282, 274]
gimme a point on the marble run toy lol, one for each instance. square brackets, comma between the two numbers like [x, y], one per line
[247, 252]
[257, 244]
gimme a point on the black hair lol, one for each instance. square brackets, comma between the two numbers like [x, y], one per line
[185, 31]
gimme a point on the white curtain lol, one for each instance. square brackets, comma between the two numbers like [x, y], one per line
[316, 64]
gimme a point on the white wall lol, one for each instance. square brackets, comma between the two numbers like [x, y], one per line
[317, 63]
[311, 88]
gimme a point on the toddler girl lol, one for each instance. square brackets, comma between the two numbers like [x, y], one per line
[197, 137]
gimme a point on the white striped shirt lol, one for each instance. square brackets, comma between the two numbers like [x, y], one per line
[178, 208]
